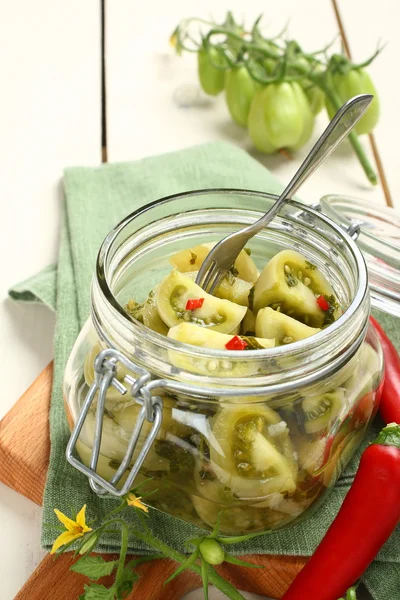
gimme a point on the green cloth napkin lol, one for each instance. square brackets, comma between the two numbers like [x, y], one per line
[95, 200]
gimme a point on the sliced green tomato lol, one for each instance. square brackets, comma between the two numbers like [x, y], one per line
[126, 415]
[365, 377]
[151, 318]
[252, 453]
[115, 440]
[210, 487]
[231, 288]
[176, 289]
[320, 412]
[88, 371]
[192, 259]
[248, 326]
[207, 338]
[292, 284]
[234, 289]
[113, 444]
[285, 330]
[243, 517]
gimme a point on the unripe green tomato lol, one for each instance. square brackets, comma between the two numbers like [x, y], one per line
[212, 551]
[280, 117]
[351, 84]
[315, 96]
[240, 88]
[212, 79]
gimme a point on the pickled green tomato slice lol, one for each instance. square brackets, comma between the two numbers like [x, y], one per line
[248, 325]
[151, 317]
[291, 284]
[176, 289]
[192, 259]
[208, 338]
[231, 288]
[320, 412]
[365, 377]
[284, 329]
[88, 372]
[252, 453]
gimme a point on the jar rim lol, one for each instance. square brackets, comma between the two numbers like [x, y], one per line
[170, 344]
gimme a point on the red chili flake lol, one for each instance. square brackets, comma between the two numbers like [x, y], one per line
[194, 303]
[236, 343]
[323, 303]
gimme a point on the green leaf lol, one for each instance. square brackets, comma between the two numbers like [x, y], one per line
[128, 579]
[95, 591]
[94, 567]
[204, 576]
[227, 588]
[236, 561]
[55, 527]
[185, 565]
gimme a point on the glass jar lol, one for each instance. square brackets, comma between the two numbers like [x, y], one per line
[261, 436]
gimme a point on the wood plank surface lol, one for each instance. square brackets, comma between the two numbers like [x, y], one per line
[25, 441]
[53, 579]
[49, 119]
[366, 25]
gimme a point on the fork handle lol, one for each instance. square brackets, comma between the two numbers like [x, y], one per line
[340, 126]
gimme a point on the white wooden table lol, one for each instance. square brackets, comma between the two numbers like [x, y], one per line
[50, 117]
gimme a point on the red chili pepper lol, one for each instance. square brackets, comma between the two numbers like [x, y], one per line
[356, 535]
[236, 343]
[323, 303]
[194, 303]
[390, 400]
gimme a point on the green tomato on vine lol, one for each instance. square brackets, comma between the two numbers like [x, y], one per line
[280, 117]
[353, 83]
[212, 78]
[240, 89]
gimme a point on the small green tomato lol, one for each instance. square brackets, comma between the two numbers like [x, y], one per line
[240, 88]
[212, 79]
[353, 83]
[280, 117]
[212, 551]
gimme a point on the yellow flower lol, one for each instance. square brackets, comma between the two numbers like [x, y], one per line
[133, 500]
[173, 40]
[74, 529]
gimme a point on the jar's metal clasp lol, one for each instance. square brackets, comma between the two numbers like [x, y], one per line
[353, 230]
[105, 367]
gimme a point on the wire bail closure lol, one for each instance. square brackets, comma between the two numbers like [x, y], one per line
[105, 368]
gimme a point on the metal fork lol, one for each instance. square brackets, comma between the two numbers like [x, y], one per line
[221, 258]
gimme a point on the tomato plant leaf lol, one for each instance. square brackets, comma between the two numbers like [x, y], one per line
[94, 567]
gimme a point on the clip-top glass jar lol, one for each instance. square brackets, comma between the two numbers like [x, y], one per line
[260, 435]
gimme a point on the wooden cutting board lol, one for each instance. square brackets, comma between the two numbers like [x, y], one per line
[24, 459]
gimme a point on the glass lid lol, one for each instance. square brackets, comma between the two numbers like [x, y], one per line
[379, 240]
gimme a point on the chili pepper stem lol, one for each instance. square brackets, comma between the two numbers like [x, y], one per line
[389, 436]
